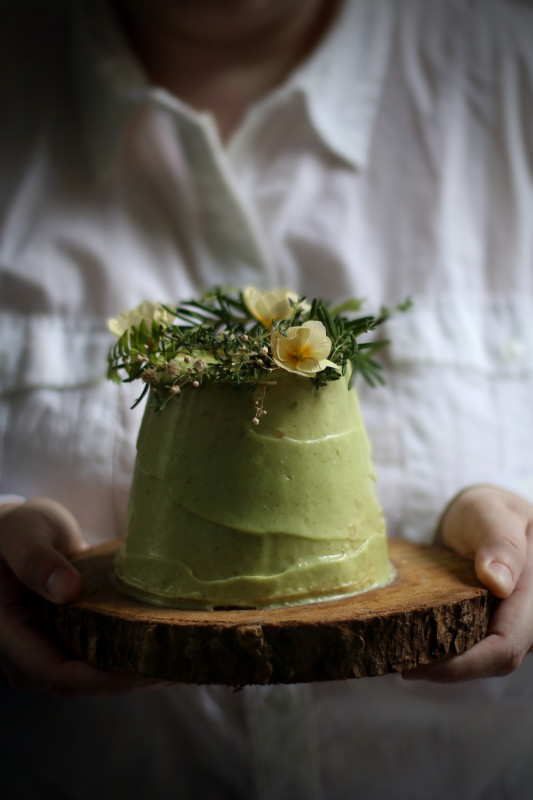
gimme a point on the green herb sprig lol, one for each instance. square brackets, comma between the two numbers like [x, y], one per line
[218, 340]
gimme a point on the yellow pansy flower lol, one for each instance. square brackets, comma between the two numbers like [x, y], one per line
[303, 349]
[147, 311]
[271, 306]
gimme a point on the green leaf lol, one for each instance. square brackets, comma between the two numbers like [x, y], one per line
[353, 304]
[143, 394]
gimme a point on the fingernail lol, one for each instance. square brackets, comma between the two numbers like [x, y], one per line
[502, 575]
[58, 586]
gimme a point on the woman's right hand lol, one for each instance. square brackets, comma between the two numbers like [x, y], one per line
[36, 538]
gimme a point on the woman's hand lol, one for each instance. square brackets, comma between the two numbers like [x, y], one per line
[495, 529]
[36, 538]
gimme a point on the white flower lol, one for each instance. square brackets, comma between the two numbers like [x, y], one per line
[150, 312]
[303, 349]
[273, 306]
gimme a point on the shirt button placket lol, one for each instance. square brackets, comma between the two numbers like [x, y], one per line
[232, 231]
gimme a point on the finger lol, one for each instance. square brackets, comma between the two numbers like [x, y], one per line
[66, 533]
[500, 560]
[502, 651]
[33, 538]
[49, 668]
[489, 525]
[31, 659]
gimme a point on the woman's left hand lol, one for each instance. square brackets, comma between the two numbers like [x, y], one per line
[495, 529]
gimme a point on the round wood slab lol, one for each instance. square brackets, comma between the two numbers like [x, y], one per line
[434, 608]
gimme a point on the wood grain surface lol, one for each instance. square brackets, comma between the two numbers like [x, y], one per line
[433, 609]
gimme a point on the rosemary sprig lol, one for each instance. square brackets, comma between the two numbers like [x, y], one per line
[218, 340]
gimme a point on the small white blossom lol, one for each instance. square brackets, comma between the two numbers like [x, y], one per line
[147, 311]
[273, 306]
[149, 375]
[173, 368]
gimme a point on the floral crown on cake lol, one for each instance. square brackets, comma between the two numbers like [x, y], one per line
[241, 338]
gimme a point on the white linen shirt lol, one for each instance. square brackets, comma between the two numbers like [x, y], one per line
[396, 161]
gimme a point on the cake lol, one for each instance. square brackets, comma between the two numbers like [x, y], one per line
[253, 484]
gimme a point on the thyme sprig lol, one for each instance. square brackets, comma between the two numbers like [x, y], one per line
[218, 340]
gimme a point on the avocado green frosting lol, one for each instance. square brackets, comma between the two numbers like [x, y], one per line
[224, 513]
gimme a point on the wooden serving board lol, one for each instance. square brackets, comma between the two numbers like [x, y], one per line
[434, 608]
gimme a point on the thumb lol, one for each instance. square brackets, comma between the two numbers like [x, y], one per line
[501, 556]
[35, 539]
[490, 526]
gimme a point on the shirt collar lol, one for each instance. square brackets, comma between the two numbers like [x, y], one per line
[343, 79]
[341, 82]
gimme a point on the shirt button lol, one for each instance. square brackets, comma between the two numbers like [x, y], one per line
[512, 350]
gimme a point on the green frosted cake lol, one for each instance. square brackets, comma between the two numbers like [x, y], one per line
[253, 484]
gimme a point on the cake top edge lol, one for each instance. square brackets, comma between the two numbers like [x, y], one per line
[242, 338]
